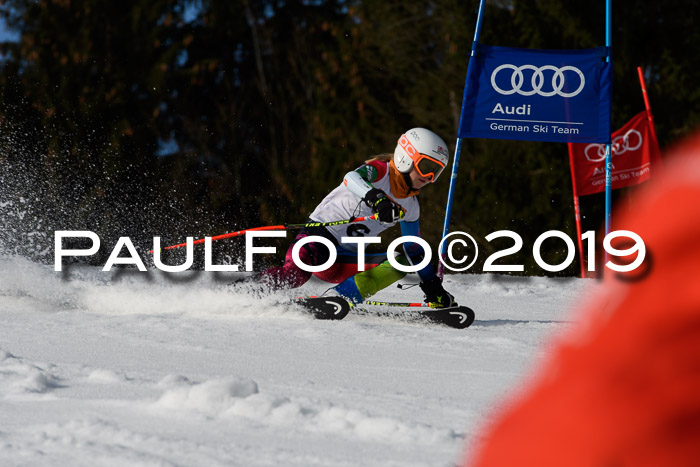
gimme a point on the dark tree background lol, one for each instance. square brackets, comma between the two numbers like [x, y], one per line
[174, 118]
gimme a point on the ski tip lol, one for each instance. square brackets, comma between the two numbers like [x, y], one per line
[459, 317]
[330, 308]
[466, 317]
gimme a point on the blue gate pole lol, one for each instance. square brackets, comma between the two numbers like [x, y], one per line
[458, 149]
[608, 148]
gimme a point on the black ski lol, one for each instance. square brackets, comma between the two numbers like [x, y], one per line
[326, 307]
[337, 308]
[459, 317]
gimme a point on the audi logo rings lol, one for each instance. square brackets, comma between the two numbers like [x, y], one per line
[558, 80]
[630, 141]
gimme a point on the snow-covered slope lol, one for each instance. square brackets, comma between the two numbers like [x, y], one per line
[157, 369]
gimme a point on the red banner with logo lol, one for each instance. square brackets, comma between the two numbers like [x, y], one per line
[634, 152]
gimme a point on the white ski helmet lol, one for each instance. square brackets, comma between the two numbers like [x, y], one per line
[423, 149]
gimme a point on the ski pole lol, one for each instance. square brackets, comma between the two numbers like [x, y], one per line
[375, 303]
[276, 227]
[398, 304]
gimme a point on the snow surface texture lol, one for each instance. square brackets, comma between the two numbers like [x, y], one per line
[181, 369]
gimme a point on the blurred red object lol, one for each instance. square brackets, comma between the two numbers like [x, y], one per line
[622, 388]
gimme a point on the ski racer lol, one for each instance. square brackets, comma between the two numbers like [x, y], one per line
[387, 186]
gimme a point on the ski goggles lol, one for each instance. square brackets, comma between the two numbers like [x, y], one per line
[426, 166]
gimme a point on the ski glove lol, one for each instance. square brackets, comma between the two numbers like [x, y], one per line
[379, 202]
[435, 295]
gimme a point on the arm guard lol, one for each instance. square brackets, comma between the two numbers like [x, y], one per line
[359, 181]
[357, 185]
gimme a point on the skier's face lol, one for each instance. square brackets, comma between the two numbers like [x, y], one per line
[417, 180]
